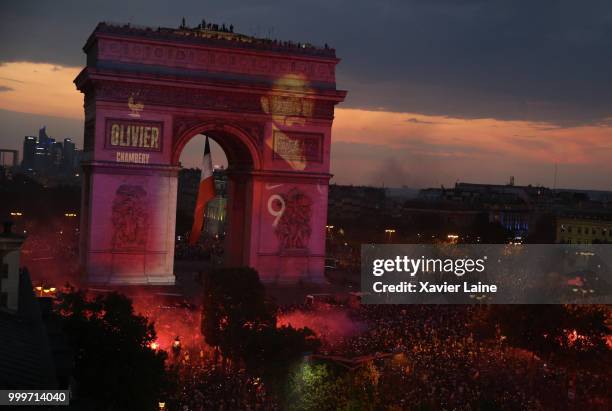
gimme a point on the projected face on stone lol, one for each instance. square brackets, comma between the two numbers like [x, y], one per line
[288, 114]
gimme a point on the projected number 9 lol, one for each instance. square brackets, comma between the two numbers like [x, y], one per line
[276, 207]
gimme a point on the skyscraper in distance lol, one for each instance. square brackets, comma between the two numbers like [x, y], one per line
[29, 151]
[68, 155]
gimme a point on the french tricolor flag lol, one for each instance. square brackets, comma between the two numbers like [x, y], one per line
[206, 193]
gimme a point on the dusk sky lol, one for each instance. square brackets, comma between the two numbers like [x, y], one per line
[439, 91]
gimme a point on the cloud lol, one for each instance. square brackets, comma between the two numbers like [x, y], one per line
[537, 61]
[374, 146]
[8, 78]
[417, 121]
[40, 88]
[433, 102]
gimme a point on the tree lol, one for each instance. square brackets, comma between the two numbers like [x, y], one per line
[234, 305]
[317, 386]
[115, 368]
[271, 352]
[585, 338]
[313, 386]
[531, 327]
[237, 319]
[568, 334]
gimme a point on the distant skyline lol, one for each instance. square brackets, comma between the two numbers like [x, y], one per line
[439, 92]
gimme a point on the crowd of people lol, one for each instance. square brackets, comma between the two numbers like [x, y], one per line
[207, 248]
[50, 252]
[206, 385]
[435, 362]
[200, 379]
[443, 366]
[221, 34]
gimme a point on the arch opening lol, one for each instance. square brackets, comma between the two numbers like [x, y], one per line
[223, 234]
[238, 146]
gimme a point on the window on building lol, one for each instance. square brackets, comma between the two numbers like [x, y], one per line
[569, 228]
[4, 270]
[3, 299]
[579, 230]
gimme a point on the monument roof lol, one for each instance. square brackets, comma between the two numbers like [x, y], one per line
[216, 37]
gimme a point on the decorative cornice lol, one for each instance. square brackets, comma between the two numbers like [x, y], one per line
[204, 99]
[182, 124]
[211, 38]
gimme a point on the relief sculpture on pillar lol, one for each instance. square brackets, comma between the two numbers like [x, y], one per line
[293, 229]
[130, 218]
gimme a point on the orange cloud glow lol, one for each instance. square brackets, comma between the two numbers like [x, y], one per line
[452, 137]
[430, 150]
[40, 88]
[376, 147]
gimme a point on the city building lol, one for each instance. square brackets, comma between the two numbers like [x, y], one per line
[576, 228]
[56, 154]
[10, 245]
[517, 220]
[8, 163]
[348, 202]
[8, 158]
[27, 361]
[44, 158]
[68, 155]
[29, 152]
[515, 208]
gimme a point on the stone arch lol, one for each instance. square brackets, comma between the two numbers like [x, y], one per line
[238, 145]
[244, 158]
[147, 93]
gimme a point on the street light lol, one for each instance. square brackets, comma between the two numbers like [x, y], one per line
[16, 213]
[329, 232]
[44, 291]
[390, 231]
